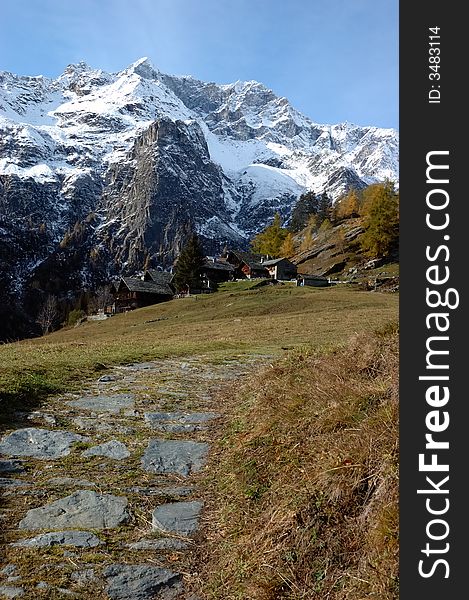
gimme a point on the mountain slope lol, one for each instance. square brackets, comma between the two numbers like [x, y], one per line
[139, 157]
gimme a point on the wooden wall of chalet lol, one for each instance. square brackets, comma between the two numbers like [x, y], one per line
[126, 300]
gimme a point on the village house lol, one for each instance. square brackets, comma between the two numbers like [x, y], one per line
[312, 280]
[216, 271]
[130, 293]
[157, 276]
[280, 268]
[246, 265]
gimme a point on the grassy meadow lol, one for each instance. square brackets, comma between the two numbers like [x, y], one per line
[235, 320]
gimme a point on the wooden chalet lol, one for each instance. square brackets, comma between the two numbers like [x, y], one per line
[280, 268]
[217, 270]
[161, 277]
[130, 293]
[312, 280]
[246, 265]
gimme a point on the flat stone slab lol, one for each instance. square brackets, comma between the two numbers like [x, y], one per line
[84, 508]
[43, 585]
[39, 443]
[5, 482]
[176, 427]
[179, 422]
[177, 517]
[142, 582]
[9, 591]
[84, 576]
[9, 570]
[11, 466]
[111, 404]
[162, 544]
[186, 417]
[107, 378]
[112, 449]
[79, 539]
[92, 425]
[171, 456]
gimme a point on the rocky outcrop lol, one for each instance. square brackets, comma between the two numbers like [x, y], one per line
[166, 181]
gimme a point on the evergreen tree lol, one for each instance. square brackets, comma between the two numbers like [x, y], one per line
[188, 265]
[313, 223]
[324, 208]
[270, 240]
[306, 205]
[380, 212]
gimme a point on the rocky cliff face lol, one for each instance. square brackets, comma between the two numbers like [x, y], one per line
[166, 181]
[114, 169]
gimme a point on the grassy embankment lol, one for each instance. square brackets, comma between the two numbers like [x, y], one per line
[302, 490]
[302, 483]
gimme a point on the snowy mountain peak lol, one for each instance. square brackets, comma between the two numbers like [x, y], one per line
[147, 153]
[77, 68]
[142, 67]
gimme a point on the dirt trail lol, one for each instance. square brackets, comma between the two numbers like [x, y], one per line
[100, 489]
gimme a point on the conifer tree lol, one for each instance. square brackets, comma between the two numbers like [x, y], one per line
[326, 226]
[306, 205]
[324, 208]
[188, 267]
[308, 241]
[313, 223]
[348, 206]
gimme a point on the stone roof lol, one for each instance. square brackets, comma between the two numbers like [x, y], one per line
[148, 287]
[251, 260]
[158, 276]
[275, 261]
[309, 276]
[217, 264]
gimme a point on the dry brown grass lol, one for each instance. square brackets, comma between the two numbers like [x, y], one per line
[302, 495]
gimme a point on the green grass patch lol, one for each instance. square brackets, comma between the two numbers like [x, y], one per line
[24, 391]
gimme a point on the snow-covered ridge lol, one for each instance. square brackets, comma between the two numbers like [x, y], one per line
[79, 134]
[99, 114]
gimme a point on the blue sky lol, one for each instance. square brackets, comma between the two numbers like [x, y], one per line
[335, 60]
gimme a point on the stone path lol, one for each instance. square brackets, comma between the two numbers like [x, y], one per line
[100, 489]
